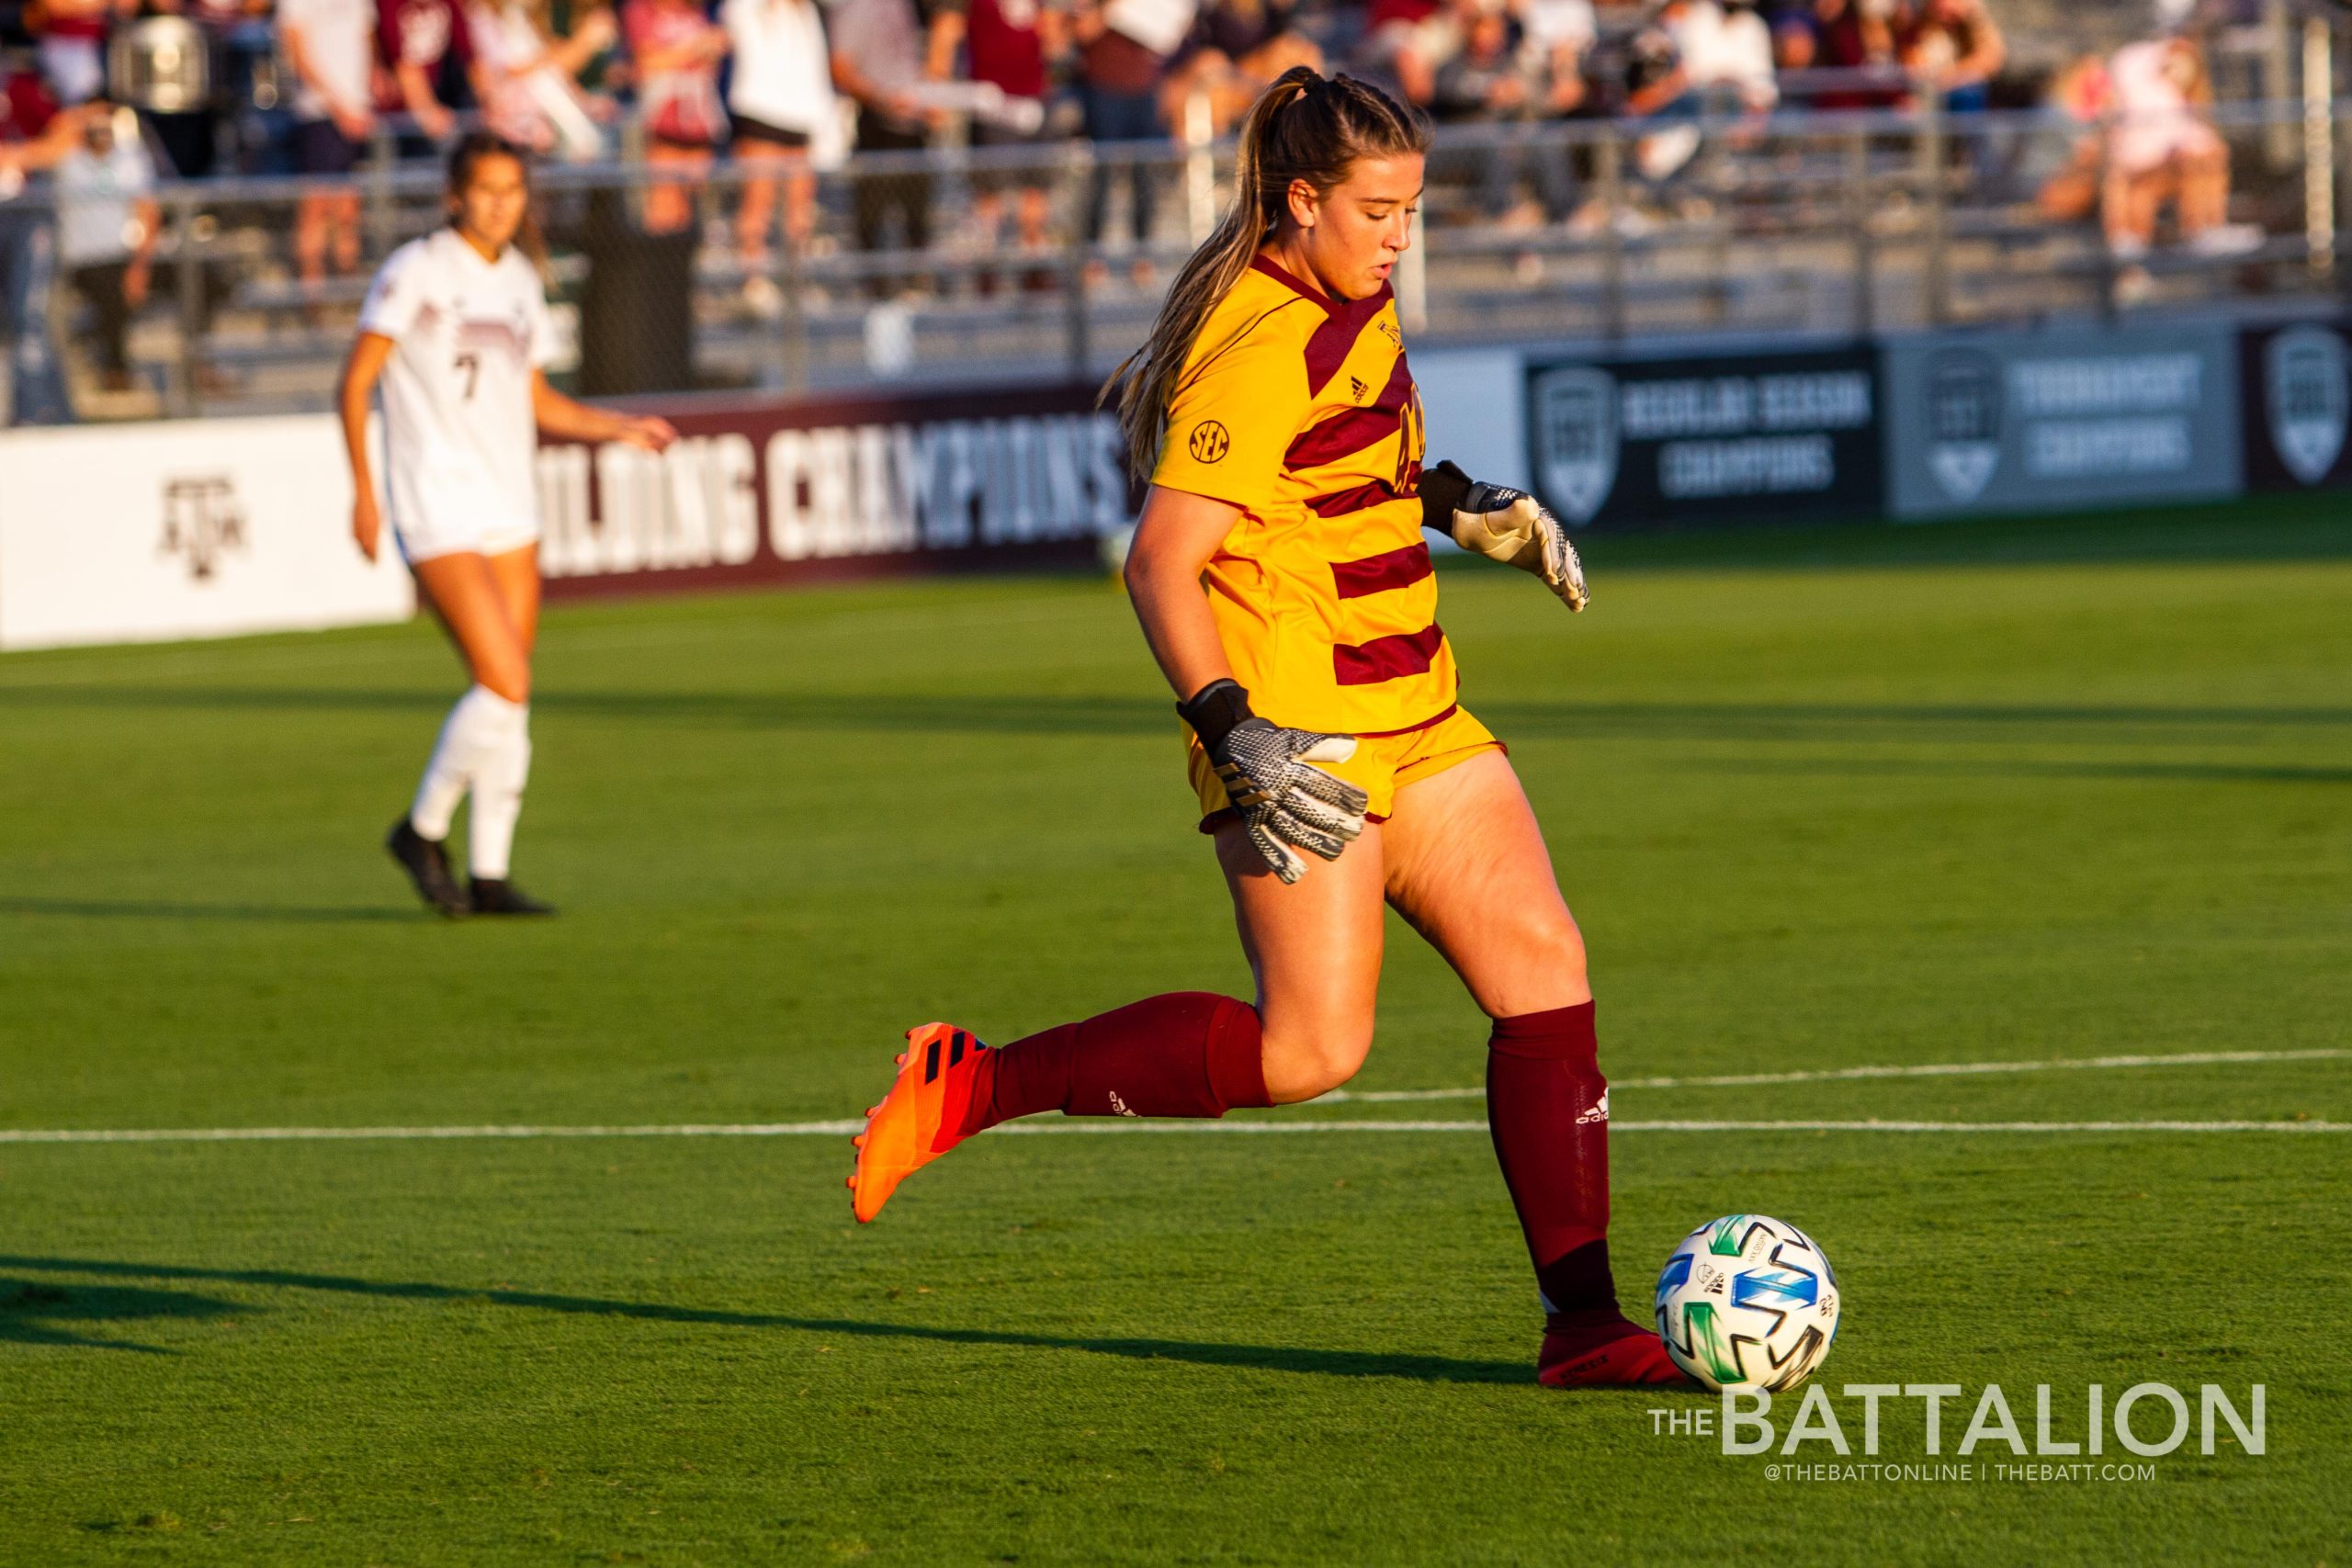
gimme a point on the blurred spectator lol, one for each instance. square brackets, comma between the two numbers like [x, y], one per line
[1855, 35]
[1417, 50]
[1389, 28]
[2067, 185]
[676, 51]
[71, 37]
[332, 44]
[1487, 80]
[1954, 48]
[107, 225]
[1236, 29]
[529, 74]
[27, 106]
[1007, 44]
[1726, 51]
[1796, 46]
[1657, 89]
[781, 102]
[27, 115]
[424, 43]
[1556, 36]
[170, 51]
[107, 219]
[883, 53]
[1482, 80]
[2163, 149]
[1125, 50]
[1237, 48]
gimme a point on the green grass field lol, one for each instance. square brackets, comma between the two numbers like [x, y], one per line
[2004, 793]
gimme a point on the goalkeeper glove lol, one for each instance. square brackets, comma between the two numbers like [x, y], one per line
[1505, 525]
[1267, 772]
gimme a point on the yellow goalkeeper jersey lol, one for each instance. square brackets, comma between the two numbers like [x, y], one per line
[1299, 409]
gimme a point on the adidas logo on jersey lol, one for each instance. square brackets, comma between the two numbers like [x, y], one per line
[1600, 1111]
[1118, 1105]
[1356, 389]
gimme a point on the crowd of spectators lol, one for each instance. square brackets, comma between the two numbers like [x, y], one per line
[785, 88]
[303, 85]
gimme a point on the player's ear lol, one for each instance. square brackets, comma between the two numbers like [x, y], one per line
[1305, 202]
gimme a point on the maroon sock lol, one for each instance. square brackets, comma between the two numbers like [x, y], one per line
[1185, 1054]
[1548, 1107]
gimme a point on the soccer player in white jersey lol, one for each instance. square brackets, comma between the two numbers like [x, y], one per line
[456, 329]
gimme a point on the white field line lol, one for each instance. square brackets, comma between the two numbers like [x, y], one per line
[1123, 1124]
[1114, 1124]
[1923, 1070]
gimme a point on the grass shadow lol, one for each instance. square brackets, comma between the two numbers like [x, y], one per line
[1891, 767]
[1409, 1366]
[36, 1313]
[1100, 716]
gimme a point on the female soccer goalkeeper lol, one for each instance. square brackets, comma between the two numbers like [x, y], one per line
[1283, 585]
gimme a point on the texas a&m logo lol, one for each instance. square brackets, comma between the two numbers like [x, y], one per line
[202, 522]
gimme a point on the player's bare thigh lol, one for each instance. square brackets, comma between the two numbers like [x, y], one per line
[517, 573]
[1467, 868]
[1315, 949]
[466, 592]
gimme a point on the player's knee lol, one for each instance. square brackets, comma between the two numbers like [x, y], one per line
[1314, 1062]
[1564, 954]
[1547, 971]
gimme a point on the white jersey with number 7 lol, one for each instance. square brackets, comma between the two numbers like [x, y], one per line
[459, 433]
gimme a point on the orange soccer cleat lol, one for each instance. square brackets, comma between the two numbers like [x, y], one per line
[1603, 1349]
[917, 1120]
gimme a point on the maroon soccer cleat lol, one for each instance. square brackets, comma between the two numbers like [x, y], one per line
[1603, 1349]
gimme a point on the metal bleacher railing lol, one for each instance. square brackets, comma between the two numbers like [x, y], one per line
[1800, 222]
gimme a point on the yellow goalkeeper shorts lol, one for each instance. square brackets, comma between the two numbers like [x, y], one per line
[1382, 763]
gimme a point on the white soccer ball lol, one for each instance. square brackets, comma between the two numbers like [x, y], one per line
[1748, 1303]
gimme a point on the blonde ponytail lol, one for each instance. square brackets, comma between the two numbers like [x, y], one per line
[1305, 126]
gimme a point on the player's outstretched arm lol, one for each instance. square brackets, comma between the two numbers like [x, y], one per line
[1505, 525]
[575, 421]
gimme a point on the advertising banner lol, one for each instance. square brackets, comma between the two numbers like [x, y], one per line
[2019, 422]
[775, 492]
[2298, 396]
[1746, 437]
[141, 533]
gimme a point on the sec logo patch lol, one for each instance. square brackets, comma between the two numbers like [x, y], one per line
[1208, 442]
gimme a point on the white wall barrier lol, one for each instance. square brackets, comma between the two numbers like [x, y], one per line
[211, 528]
[141, 533]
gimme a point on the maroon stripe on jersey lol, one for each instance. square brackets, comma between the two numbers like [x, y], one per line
[1387, 658]
[1377, 493]
[1344, 322]
[1378, 574]
[1352, 430]
[1333, 341]
[1260, 263]
[1339, 502]
[1336, 338]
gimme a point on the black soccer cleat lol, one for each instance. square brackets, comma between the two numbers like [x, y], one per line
[427, 860]
[496, 896]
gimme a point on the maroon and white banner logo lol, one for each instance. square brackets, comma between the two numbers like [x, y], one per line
[777, 491]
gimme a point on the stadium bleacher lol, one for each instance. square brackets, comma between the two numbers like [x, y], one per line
[1857, 200]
